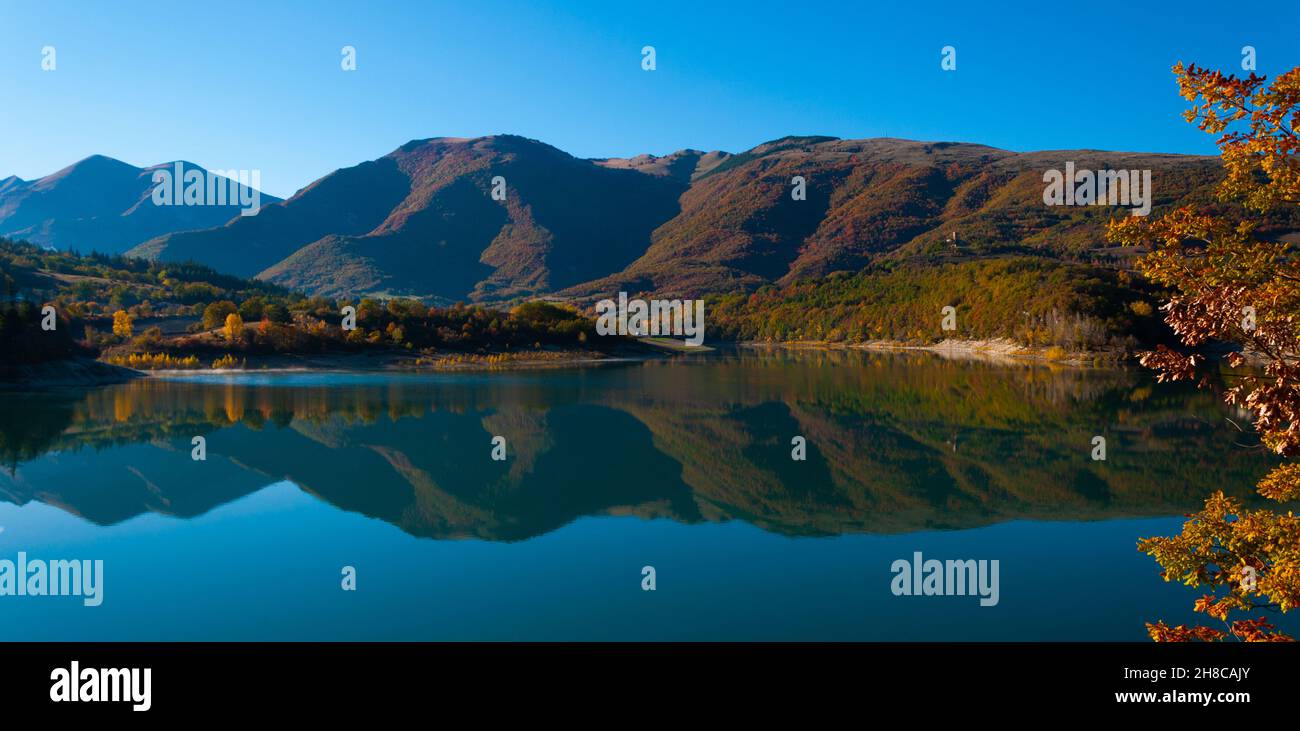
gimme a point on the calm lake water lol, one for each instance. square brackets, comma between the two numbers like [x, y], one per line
[682, 465]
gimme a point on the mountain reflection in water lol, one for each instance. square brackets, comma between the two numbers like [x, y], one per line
[896, 443]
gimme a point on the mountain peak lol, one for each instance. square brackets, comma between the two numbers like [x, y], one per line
[685, 165]
[185, 165]
[481, 141]
[793, 141]
[428, 141]
[100, 162]
[100, 203]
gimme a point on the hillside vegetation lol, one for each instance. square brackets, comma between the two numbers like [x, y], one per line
[148, 315]
[1036, 302]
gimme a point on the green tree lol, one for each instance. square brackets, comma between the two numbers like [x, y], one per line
[214, 315]
[252, 309]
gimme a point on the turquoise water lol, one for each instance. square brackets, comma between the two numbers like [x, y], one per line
[683, 465]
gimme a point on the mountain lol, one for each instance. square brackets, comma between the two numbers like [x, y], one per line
[101, 204]
[422, 220]
[867, 200]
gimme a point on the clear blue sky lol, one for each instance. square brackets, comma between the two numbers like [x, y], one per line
[257, 85]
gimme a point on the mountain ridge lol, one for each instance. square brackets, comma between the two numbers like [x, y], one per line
[98, 203]
[429, 219]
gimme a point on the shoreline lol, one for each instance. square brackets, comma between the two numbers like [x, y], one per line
[390, 370]
[89, 372]
[72, 372]
[92, 372]
[408, 364]
[991, 350]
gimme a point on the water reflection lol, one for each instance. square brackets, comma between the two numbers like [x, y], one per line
[895, 443]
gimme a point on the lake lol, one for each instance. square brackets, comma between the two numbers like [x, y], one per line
[683, 465]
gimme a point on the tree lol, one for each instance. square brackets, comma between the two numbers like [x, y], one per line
[252, 308]
[1231, 286]
[369, 310]
[215, 313]
[234, 329]
[122, 324]
[276, 313]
